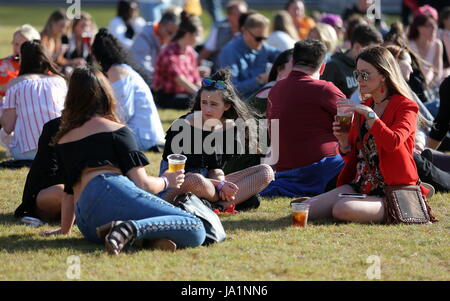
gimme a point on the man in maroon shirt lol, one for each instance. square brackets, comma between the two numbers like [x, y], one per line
[305, 106]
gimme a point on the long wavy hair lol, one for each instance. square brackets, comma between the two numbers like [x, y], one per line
[89, 94]
[238, 109]
[108, 51]
[382, 59]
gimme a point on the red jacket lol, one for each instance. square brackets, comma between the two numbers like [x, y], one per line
[394, 136]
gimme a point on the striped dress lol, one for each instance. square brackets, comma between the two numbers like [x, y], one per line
[36, 101]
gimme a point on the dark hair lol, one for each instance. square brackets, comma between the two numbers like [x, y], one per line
[419, 20]
[286, 6]
[170, 17]
[281, 60]
[34, 59]
[445, 14]
[189, 24]
[396, 34]
[243, 17]
[108, 51]
[354, 21]
[89, 94]
[125, 9]
[309, 53]
[238, 109]
[365, 35]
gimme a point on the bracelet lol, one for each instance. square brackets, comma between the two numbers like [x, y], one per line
[220, 186]
[166, 182]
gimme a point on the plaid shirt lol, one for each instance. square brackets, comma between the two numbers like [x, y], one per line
[172, 61]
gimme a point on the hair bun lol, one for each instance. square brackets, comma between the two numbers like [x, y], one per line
[223, 75]
[103, 31]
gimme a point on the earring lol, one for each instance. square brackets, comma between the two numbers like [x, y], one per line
[382, 89]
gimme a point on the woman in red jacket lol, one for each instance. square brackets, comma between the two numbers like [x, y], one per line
[378, 150]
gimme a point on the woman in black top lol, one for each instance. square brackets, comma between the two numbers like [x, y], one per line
[210, 135]
[442, 121]
[105, 179]
[44, 187]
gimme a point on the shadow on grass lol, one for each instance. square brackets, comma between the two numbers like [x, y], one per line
[29, 242]
[268, 224]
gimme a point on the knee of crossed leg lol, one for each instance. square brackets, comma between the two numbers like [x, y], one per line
[267, 173]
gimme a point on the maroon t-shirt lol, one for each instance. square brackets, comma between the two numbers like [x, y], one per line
[305, 108]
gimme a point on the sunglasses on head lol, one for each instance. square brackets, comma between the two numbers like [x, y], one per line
[218, 84]
[257, 39]
[361, 74]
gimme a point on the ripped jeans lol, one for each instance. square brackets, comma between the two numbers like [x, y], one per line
[111, 197]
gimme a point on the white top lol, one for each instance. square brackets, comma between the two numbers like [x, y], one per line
[281, 40]
[137, 108]
[36, 101]
[118, 29]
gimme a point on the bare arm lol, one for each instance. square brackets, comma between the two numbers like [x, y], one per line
[8, 120]
[216, 174]
[67, 213]
[190, 87]
[152, 184]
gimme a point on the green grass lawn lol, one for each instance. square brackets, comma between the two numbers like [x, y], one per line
[261, 244]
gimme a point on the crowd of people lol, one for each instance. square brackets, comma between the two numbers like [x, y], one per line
[82, 104]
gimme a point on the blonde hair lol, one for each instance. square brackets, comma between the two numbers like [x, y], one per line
[327, 35]
[256, 21]
[28, 32]
[383, 60]
[283, 22]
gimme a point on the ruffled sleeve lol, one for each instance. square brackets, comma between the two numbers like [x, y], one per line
[127, 150]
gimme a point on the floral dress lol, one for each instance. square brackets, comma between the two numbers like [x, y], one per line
[368, 179]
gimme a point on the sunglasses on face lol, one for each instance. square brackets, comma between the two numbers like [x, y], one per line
[361, 74]
[218, 84]
[257, 39]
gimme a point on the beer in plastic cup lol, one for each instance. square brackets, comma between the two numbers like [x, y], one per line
[344, 117]
[176, 162]
[300, 214]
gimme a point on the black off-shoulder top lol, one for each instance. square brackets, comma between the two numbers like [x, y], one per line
[117, 148]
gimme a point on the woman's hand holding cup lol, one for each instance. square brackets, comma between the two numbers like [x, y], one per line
[175, 179]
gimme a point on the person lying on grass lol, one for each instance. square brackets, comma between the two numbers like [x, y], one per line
[106, 185]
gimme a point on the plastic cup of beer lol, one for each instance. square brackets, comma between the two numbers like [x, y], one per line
[300, 214]
[176, 162]
[344, 117]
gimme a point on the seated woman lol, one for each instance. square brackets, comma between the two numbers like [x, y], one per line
[44, 189]
[79, 48]
[177, 77]
[378, 150]
[136, 106]
[428, 172]
[423, 39]
[216, 107]
[33, 98]
[106, 185]
[9, 66]
[127, 24]
[54, 36]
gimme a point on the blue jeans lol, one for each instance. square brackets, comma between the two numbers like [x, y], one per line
[110, 197]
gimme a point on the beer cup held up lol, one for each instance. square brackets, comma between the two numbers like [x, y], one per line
[176, 162]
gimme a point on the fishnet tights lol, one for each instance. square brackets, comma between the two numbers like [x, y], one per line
[250, 181]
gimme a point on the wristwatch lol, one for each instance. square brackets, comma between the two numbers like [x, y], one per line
[371, 115]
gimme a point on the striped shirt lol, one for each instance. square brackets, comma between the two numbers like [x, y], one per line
[36, 101]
